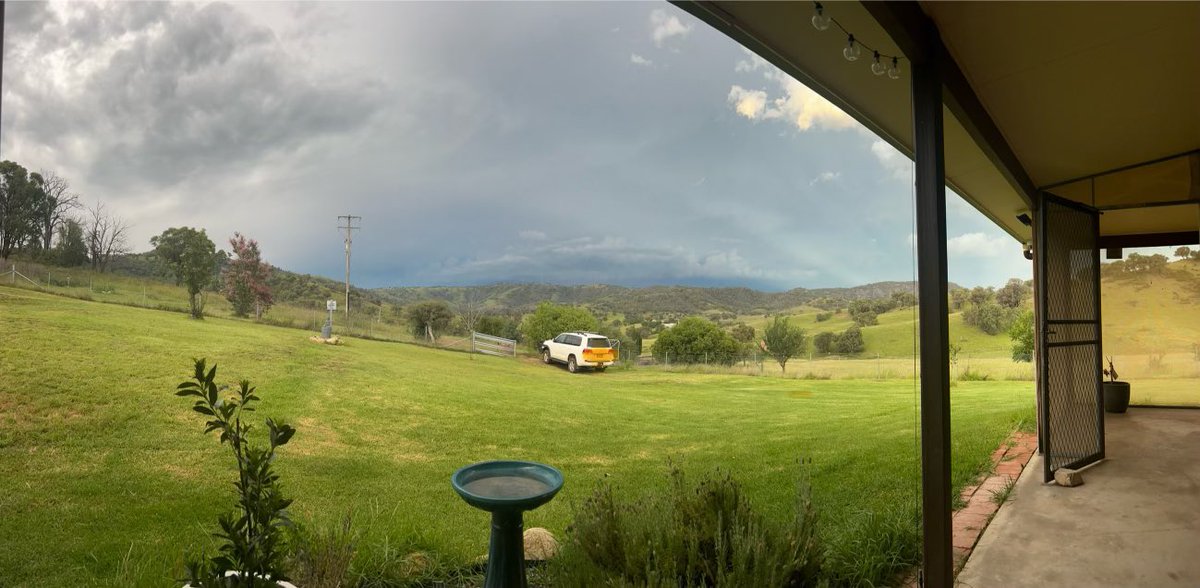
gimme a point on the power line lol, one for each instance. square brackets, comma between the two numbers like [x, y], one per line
[349, 227]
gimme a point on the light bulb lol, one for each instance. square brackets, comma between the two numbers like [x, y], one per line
[877, 67]
[894, 71]
[852, 50]
[819, 20]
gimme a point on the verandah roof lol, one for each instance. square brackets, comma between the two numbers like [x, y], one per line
[1102, 93]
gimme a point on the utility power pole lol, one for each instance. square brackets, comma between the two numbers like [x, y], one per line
[349, 227]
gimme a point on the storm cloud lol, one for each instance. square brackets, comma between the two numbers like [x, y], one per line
[623, 143]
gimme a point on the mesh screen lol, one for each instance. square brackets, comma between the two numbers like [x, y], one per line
[1071, 264]
[1071, 377]
[1073, 405]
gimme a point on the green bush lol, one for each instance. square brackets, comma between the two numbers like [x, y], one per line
[823, 342]
[695, 340]
[1021, 334]
[702, 534]
[498, 325]
[849, 342]
[550, 319]
[864, 313]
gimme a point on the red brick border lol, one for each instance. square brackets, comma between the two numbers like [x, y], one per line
[969, 522]
[1008, 461]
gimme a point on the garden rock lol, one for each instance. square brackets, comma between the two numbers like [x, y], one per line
[1068, 478]
[540, 544]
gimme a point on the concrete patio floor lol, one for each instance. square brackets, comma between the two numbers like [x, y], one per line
[1134, 522]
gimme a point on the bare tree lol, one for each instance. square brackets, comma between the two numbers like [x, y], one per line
[470, 309]
[105, 236]
[58, 202]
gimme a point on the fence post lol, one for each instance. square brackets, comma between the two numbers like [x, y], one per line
[14, 274]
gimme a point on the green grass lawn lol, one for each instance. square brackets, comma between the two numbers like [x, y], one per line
[106, 476]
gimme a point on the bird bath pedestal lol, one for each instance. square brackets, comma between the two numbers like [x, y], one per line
[507, 489]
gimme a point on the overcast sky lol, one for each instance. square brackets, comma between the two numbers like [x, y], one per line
[623, 143]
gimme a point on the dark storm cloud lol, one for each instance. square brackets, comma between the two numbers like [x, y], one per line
[156, 92]
[481, 142]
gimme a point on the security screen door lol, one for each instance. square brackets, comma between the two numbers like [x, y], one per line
[1069, 327]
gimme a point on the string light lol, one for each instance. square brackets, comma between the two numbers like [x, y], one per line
[819, 20]
[853, 49]
[877, 67]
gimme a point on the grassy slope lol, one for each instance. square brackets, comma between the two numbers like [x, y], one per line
[893, 336]
[100, 463]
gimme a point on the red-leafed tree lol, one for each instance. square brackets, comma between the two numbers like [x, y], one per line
[245, 278]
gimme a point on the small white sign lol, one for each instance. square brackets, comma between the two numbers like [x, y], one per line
[331, 305]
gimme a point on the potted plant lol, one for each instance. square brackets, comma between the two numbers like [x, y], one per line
[1116, 392]
[251, 552]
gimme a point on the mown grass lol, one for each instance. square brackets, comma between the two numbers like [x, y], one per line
[105, 476]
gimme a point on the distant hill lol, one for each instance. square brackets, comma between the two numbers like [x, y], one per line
[652, 299]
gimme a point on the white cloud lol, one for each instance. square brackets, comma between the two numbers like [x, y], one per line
[666, 26]
[825, 177]
[748, 103]
[796, 104]
[980, 245]
[532, 235]
[896, 164]
[639, 60]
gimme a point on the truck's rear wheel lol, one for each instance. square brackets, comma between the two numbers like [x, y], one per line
[571, 365]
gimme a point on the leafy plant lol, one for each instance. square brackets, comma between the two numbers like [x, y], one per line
[252, 542]
[1111, 371]
[1021, 335]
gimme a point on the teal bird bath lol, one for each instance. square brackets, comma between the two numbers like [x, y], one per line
[506, 489]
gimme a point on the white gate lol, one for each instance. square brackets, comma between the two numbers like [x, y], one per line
[481, 343]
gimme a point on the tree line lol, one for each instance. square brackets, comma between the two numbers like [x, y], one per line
[42, 218]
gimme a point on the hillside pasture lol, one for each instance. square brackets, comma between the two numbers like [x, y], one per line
[107, 478]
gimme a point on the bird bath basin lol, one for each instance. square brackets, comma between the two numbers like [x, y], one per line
[506, 489]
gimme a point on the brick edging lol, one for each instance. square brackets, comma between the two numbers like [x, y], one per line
[1008, 461]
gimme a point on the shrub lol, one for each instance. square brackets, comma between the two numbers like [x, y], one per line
[427, 319]
[550, 319]
[703, 534]
[695, 340]
[251, 544]
[864, 313]
[1021, 334]
[498, 326]
[849, 342]
[823, 343]
[824, 316]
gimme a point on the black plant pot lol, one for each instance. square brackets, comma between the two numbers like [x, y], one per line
[1116, 396]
